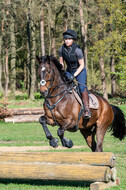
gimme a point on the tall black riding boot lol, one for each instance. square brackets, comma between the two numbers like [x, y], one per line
[87, 113]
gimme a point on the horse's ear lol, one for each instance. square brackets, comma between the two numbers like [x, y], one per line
[38, 59]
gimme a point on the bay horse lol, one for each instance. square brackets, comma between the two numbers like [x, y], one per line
[62, 109]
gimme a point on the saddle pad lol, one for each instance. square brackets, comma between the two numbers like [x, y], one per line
[93, 101]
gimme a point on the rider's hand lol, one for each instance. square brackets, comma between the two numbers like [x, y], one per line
[71, 78]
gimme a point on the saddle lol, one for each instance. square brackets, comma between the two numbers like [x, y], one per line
[93, 101]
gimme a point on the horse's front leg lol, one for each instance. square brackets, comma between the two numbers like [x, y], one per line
[65, 142]
[52, 141]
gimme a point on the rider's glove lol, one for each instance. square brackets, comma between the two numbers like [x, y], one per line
[71, 78]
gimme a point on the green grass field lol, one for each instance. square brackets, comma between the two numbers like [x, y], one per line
[31, 134]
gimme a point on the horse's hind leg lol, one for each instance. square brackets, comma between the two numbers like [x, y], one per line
[65, 142]
[102, 126]
[100, 133]
[53, 141]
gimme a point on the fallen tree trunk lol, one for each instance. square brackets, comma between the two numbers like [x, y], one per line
[24, 115]
[23, 118]
[26, 111]
[94, 159]
[54, 171]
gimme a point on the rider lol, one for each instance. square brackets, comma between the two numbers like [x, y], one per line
[72, 54]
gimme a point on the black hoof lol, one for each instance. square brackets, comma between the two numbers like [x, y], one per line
[67, 142]
[54, 142]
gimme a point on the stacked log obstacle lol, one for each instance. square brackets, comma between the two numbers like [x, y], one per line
[70, 166]
[24, 115]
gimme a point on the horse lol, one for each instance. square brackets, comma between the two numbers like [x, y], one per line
[62, 109]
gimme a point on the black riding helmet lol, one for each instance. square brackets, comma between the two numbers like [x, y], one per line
[70, 34]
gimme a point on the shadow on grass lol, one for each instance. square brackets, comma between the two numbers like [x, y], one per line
[46, 182]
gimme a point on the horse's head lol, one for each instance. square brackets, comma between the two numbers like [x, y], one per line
[46, 74]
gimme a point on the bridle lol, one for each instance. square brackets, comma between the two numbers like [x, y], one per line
[51, 79]
[64, 92]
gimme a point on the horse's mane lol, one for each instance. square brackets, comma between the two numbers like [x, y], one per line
[57, 64]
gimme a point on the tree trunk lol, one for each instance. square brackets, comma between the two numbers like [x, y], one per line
[28, 54]
[101, 59]
[42, 33]
[1, 41]
[28, 70]
[33, 71]
[83, 32]
[102, 69]
[52, 28]
[25, 75]
[1, 88]
[53, 41]
[66, 18]
[13, 59]
[113, 77]
[6, 74]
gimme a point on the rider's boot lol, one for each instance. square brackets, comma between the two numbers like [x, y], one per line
[87, 113]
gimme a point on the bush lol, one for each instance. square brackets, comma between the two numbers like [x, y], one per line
[21, 97]
[24, 96]
[37, 95]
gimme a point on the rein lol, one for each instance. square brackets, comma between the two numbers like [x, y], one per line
[53, 106]
[65, 91]
[55, 87]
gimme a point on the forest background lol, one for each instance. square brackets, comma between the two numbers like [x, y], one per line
[34, 27]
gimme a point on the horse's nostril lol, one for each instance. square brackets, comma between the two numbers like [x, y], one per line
[46, 92]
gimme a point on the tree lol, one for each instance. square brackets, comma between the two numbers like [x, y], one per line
[13, 49]
[1, 33]
[35, 27]
[33, 58]
[6, 43]
[1, 88]
[42, 33]
[100, 50]
[83, 31]
[54, 9]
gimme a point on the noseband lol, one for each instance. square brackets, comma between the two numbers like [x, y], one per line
[43, 82]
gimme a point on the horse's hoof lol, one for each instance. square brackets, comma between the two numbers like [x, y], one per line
[67, 142]
[54, 143]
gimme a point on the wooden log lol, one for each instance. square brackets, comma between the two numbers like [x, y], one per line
[103, 185]
[92, 158]
[54, 171]
[26, 111]
[23, 118]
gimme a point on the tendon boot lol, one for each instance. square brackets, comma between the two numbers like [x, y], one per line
[87, 113]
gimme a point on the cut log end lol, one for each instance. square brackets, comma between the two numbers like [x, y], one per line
[103, 185]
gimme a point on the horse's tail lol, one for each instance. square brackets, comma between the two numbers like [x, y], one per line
[118, 127]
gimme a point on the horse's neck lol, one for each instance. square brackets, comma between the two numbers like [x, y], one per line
[58, 79]
[58, 83]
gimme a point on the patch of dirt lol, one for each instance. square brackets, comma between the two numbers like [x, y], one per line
[10, 142]
[33, 148]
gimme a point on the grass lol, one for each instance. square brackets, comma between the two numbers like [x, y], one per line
[31, 134]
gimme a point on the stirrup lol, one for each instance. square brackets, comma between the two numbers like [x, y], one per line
[87, 115]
